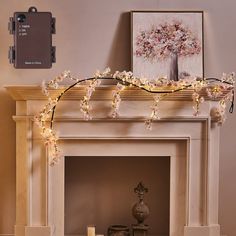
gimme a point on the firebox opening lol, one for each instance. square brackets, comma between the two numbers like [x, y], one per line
[100, 191]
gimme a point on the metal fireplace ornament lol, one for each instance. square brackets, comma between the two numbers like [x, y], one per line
[140, 212]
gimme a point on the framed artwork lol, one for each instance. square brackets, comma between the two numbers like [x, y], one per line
[167, 43]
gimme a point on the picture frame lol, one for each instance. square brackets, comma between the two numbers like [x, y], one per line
[167, 44]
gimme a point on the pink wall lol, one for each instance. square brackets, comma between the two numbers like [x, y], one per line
[93, 34]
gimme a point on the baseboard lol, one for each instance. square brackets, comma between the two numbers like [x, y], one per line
[78, 235]
[100, 234]
[7, 234]
[104, 235]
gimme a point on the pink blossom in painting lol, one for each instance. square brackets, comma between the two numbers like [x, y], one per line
[159, 42]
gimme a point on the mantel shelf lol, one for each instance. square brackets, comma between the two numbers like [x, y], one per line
[30, 92]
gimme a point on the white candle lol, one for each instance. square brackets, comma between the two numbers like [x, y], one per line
[91, 231]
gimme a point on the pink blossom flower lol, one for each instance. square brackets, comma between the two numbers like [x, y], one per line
[159, 42]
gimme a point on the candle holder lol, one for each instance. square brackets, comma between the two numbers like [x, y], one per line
[118, 230]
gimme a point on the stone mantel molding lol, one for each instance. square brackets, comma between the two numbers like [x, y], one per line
[24, 93]
[192, 142]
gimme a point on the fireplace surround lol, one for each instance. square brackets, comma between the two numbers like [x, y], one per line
[191, 142]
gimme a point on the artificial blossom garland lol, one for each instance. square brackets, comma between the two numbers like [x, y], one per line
[85, 107]
[155, 112]
[161, 87]
[116, 99]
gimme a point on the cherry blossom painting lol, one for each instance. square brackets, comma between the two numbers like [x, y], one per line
[167, 43]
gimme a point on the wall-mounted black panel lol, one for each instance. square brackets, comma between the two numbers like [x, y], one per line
[32, 32]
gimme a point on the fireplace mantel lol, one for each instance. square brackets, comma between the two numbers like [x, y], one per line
[191, 142]
[24, 93]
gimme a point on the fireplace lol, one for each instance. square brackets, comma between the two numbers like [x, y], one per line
[191, 143]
